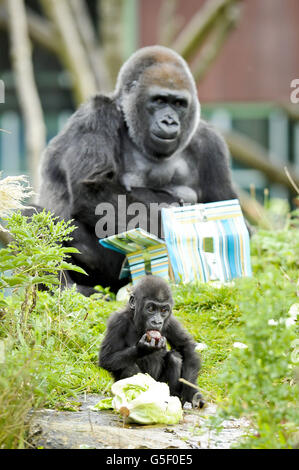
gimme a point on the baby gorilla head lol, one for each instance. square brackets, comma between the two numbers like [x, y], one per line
[152, 303]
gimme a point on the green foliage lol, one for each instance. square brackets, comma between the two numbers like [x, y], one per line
[16, 397]
[56, 354]
[259, 377]
[35, 255]
[212, 315]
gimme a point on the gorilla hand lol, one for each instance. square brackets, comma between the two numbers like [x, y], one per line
[146, 346]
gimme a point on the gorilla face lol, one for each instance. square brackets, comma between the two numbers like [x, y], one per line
[152, 304]
[164, 111]
[158, 98]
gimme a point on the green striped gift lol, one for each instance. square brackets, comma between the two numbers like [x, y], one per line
[207, 241]
[145, 253]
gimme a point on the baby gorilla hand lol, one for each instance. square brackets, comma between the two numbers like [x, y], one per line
[151, 341]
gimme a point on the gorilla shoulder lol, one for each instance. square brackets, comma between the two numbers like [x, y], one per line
[84, 152]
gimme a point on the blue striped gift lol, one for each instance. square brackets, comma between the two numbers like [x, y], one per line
[145, 253]
[207, 241]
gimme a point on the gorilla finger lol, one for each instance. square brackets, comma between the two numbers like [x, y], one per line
[143, 339]
[162, 342]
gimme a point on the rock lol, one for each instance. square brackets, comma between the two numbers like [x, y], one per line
[86, 429]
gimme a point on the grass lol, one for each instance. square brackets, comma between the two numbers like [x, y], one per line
[212, 316]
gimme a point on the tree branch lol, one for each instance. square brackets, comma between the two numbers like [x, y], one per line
[246, 151]
[40, 30]
[110, 13]
[213, 46]
[25, 84]
[71, 50]
[195, 33]
[168, 23]
[90, 42]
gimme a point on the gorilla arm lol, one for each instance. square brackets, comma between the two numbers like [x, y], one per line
[90, 163]
[79, 157]
[182, 342]
[115, 353]
[212, 154]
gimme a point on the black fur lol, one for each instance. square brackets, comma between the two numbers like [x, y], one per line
[125, 350]
[107, 148]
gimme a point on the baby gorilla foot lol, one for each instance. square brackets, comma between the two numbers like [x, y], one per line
[198, 401]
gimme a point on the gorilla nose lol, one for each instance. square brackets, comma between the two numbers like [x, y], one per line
[169, 121]
[168, 128]
[156, 325]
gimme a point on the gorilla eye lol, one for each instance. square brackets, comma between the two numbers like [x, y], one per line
[164, 310]
[181, 103]
[159, 99]
[150, 308]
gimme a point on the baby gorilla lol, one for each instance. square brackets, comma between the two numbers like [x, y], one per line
[135, 341]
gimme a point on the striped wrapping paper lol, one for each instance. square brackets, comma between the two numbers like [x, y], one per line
[145, 253]
[207, 241]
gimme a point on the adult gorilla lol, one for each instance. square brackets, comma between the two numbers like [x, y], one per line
[145, 141]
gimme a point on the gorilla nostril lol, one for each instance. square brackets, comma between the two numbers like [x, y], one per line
[110, 175]
[169, 122]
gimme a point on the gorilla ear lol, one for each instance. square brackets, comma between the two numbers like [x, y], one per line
[131, 86]
[132, 302]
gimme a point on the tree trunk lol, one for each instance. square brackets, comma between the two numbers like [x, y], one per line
[26, 88]
[40, 30]
[90, 42]
[215, 42]
[71, 52]
[252, 154]
[111, 18]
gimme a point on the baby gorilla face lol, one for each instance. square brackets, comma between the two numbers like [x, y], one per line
[155, 314]
[152, 303]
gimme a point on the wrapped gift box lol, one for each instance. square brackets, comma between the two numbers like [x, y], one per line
[207, 241]
[202, 242]
[145, 253]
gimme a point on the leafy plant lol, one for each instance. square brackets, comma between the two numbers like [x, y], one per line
[35, 256]
[259, 376]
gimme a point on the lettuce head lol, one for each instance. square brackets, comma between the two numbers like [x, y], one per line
[143, 400]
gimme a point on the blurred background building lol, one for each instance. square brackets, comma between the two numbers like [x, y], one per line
[245, 91]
